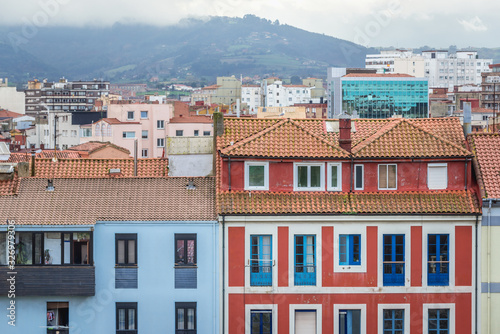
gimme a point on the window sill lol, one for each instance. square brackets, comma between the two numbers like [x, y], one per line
[123, 266]
[185, 266]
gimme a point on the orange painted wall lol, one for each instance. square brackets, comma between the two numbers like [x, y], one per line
[236, 256]
[283, 256]
[416, 256]
[463, 254]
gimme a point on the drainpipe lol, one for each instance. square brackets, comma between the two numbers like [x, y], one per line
[229, 172]
[488, 254]
[223, 275]
[352, 172]
[135, 157]
[477, 268]
[466, 171]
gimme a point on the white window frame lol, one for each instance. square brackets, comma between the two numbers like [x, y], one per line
[362, 177]
[338, 307]
[126, 137]
[266, 174]
[145, 155]
[257, 307]
[351, 228]
[133, 115]
[339, 177]
[387, 171]
[142, 134]
[405, 307]
[162, 124]
[319, 315]
[157, 142]
[309, 164]
[425, 315]
[430, 165]
[147, 114]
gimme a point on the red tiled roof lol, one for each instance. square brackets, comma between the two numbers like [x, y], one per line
[93, 146]
[191, 119]
[287, 139]
[435, 202]
[9, 114]
[9, 187]
[429, 137]
[47, 154]
[379, 75]
[117, 121]
[85, 201]
[486, 148]
[99, 168]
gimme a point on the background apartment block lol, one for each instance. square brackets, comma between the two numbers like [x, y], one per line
[10, 98]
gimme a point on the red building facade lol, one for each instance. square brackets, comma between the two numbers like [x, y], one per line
[333, 226]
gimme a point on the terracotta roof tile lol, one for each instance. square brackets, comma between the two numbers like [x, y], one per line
[9, 114]
[85, 201]
[435, 202]
[48, 154]
[9, 187]
[93, 146]
[287, 139]
[99, 168]
[486, 147]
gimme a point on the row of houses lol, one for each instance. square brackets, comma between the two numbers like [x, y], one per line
[307, 226]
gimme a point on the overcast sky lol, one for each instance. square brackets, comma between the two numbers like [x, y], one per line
[398, 23]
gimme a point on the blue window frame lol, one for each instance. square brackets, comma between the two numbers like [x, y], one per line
[261, 322]
[261, 260]
[305, 260]
[438, 260]
[439, 321]
[349, 321]
[394, 260]
[394, 321]
[350, 249]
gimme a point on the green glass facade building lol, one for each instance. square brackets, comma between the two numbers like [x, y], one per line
[378, 97]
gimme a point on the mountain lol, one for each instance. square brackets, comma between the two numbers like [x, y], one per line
[194, 48]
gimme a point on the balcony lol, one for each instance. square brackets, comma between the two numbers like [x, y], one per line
[50, 280]
[305, 275]
[261, 275]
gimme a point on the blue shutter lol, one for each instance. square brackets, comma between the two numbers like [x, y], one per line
[305, 260]
[349, 249]
[438, 259]
[394, 259]
[261, 260]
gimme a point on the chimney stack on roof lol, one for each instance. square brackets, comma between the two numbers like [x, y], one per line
[345, 132]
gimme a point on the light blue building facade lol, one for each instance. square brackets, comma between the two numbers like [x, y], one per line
[129, 255]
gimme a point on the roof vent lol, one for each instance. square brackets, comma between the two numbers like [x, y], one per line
[114, 171]
[50, 185]
[190, 185]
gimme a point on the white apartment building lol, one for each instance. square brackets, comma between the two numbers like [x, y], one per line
[462, 68]
[251, 95]
[10, 98]
[67, 134]
[439, 66]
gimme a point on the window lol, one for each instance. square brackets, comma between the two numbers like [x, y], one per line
[394, 260]
[179, 133]
[334, 177]
[387, 177]
[305, 260]
[350, 249]
[144, 114]
[185, 249]
[438, 261]
[306, 322]
[160, 142]
[349, 321]
[126, 249]
[128, 134]
[256, 175]
[185, 318]
[97, 130]
[160, 124]
[393, 321]
[437, 176]
[309, 176]
[261, 321]
[206, 133]
[359, 177]
[196, 133]
[261, 260]
[130, 115]
[439, 321]
[57, 317]
[86, 132]
[144, 134]
[144, 152]
[126, 318]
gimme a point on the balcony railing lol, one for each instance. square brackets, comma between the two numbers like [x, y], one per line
[261, 275]
[305, 275]
[394, 273]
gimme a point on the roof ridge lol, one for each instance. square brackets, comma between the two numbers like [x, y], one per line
[382, 131]
[254, 136]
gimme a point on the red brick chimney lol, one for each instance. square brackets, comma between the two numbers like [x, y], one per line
[345, 133]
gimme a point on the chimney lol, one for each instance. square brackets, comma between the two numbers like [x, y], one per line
[345, 132]
[467, 118]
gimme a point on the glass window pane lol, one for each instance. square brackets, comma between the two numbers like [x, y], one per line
[121, 318]
[302, 176]
[382, 176]
[256, 176]
[179, 256]
[121, 251]
[315, 176]
[3, 249]
[334, 173]
[392, 176]
[38, 249]
[131, 252]
[67, 248]
[359, 177]
[131, 318]
[52, 248]
[190, 251]
[24, 248]
[180, 318]
[190, 318]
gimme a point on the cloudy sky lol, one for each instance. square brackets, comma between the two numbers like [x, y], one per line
[398, 23]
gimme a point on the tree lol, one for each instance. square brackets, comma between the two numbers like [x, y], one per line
[295, 80]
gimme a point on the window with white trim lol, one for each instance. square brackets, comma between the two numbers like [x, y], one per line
[350, 249]
[160, 124]
[334, 177]
[128, 134]
[387, 176]
[256, 175]
[160, 142]
[309, 176]
[359, 182]
[437, 176]
[349, 321]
